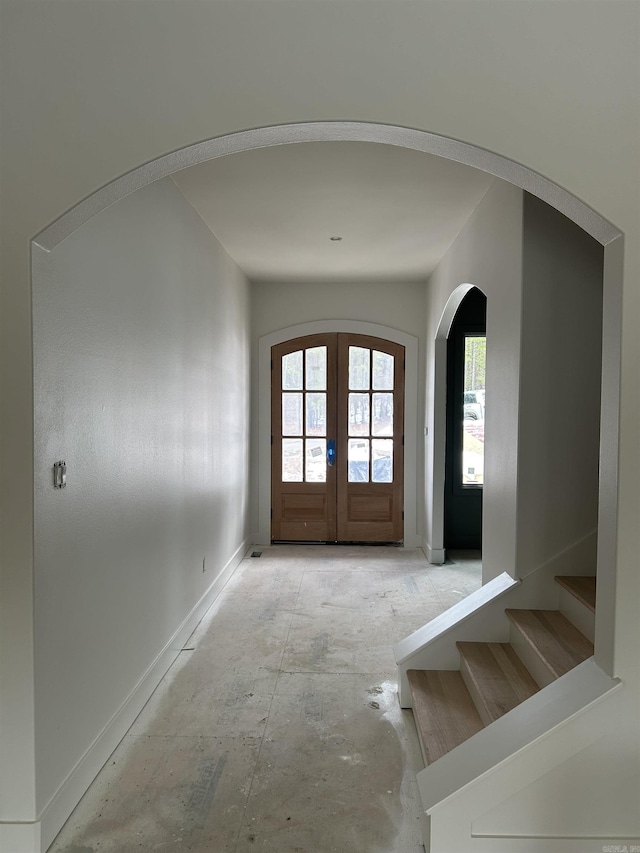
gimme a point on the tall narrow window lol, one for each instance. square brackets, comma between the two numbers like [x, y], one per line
[304, 415]
[370, 415]
[475, 353]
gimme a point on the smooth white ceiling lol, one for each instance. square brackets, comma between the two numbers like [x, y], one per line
[275, 209]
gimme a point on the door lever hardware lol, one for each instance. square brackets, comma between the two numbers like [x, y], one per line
[331, 452]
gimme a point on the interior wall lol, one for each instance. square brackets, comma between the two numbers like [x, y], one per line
[560, 386]
[279, 305]
[488, 254]
[141, 329]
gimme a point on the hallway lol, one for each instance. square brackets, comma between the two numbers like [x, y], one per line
[278, 727]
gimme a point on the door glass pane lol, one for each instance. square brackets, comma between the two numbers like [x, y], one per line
[316, 358]
[358, 460]
[382, 461]
[359, 368]
[382, 414]
[292, 414]
[382, 371]
[292, 371]
[475, 351]
[316, 414]
[315, 467]
[358, 414]
[291, 460]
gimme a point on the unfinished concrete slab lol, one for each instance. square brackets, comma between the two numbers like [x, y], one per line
[278, 728]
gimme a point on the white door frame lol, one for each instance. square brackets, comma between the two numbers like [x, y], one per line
[410, 343]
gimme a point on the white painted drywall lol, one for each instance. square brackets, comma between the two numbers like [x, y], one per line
[487, 254]
[560, 382]
[276, 305]
[142, 387]
[543, 279]
[90, 91]
[345, 305]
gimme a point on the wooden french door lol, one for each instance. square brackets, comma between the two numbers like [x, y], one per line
[337, 460]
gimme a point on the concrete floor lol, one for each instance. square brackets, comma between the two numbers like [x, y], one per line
[281, 731]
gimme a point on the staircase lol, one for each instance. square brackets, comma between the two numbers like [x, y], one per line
[451, 706]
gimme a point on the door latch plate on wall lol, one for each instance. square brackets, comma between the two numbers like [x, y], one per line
[59, 475]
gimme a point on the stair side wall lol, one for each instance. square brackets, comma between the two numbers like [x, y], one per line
[575, 789]
[560, 386]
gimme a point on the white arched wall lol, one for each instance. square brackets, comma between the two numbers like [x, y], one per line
[332, 131]
[30, 825]
[509, 171]
[513, 173]
[409, 342]
[488, 251]
[435, 464]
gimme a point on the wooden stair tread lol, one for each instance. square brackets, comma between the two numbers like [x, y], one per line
[500, 679]
[582, 587]
[558, 643]
[443, 710]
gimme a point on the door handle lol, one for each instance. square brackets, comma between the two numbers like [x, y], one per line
[331, 452]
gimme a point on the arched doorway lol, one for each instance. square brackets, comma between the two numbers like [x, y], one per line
[337, 427]
[333, 131]
[514, 173]
[465, 411]
[408, 344]
[417, 140]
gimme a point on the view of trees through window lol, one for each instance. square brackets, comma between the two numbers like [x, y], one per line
[475, 356]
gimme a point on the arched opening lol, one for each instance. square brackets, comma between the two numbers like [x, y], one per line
[262, 478]
[516, 174]
[437, 445]
[333, 131]
[465, 420]
[337, 426]
[45, 244]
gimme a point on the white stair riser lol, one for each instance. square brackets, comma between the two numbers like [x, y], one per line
[542, 675]
[471, 687]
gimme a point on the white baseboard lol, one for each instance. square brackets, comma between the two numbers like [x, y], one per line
[37, 836]
[20, 838]
[436, 556]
